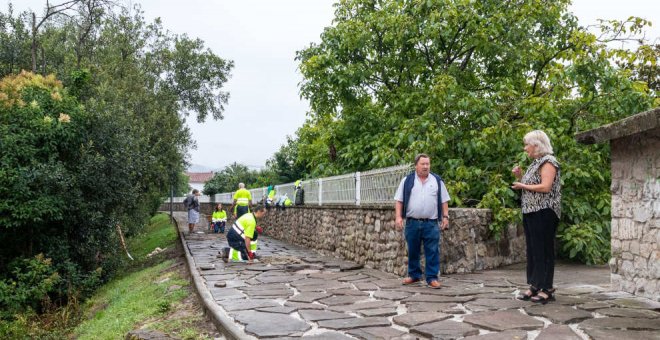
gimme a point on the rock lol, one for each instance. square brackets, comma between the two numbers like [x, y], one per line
[206, 267]
[480, 305]
[378, 312]
[414, 319]
[445, 330]
[503, 320]
[621, 323]
[353, 322]
[341, 300]
[559, 313]
[173, 288]
[146, 334]
[629, 313]
[385, 333]
[317, 315]
[391, 295]
[512, 334]
[308, 297]
[558, 332]
[614, 334]
[270, 324]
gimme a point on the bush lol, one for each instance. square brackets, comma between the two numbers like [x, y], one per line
[30, 282]
[67, 179]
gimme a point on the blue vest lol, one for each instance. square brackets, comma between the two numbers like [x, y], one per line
[407, 188]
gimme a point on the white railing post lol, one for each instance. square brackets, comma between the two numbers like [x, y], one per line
[357, 188]
[320, 191]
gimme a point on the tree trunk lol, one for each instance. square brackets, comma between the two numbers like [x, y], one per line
[34, 43]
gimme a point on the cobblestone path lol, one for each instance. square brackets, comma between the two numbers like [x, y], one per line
[295, 292]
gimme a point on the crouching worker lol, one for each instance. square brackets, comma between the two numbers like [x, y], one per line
[219, 219]
[242, 232]
[231, 254]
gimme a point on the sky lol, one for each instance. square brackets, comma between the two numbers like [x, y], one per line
[262, 37]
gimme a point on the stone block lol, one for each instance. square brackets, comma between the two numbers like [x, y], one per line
[651, 188]
[654, 265]
[627, 256]
[615, 187]
[651, 236]
[616, 281]
[618, 207]
[627, 229]
[616, 246]
[613, 263]
[627, 268]
[642, 212]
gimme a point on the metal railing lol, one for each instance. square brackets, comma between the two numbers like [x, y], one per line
[373, 186]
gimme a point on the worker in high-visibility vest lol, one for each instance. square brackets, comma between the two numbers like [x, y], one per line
[235, 255]
[270, 198]
[242, 201]
[298, 193]
[218, 219]
[241, 234]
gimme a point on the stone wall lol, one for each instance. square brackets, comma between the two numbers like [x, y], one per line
[635, 262]
[367, 235]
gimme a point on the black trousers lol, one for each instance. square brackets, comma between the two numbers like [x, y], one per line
[540, 232]
[237, 242]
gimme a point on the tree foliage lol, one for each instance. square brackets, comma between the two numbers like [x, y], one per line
[285, 164]
[464, 81]
[101, 145]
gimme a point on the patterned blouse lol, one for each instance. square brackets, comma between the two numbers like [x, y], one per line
[534, 201]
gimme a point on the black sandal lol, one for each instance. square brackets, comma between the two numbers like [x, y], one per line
[526, 296]
[544, 299]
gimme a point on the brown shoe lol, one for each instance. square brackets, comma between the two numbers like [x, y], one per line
[409, 281]
[435, 284]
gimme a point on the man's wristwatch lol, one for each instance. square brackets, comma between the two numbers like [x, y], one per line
[445, 216]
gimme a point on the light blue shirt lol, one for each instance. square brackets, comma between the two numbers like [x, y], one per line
[423, 201]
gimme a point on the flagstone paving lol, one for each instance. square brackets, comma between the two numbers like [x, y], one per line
[293, 292]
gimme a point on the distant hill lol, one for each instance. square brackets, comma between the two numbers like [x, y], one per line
[204, 168]
[201, 168]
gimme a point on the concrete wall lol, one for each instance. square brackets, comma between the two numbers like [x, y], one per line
[635, 262]
[366, 235]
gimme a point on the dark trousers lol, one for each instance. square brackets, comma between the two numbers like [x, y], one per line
[219, 227]
[242, 210]
[540, 231]
[237, 242]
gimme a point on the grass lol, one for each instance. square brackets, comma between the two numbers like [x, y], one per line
[125, 303]
[152, 293]
[128, 301]
[159, 233]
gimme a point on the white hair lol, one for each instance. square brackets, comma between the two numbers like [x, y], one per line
[241, 185]
[540, 140]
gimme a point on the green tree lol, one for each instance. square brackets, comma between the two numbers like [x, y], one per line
[284, 164]
[464, 81]
[227, 180]
[102, 147]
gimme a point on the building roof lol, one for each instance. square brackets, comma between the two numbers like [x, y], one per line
[199, 177]
[634, 124]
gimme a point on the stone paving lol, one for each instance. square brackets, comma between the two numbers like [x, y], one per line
[295, 292]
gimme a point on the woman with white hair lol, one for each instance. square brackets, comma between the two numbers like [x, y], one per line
[541, 208]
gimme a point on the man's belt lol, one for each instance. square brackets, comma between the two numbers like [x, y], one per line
[422, 219]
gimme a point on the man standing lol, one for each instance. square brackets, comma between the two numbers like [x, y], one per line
[191, 202]
[422, 200]
[242, 201]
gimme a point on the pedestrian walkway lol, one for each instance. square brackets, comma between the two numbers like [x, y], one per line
[295, 292]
